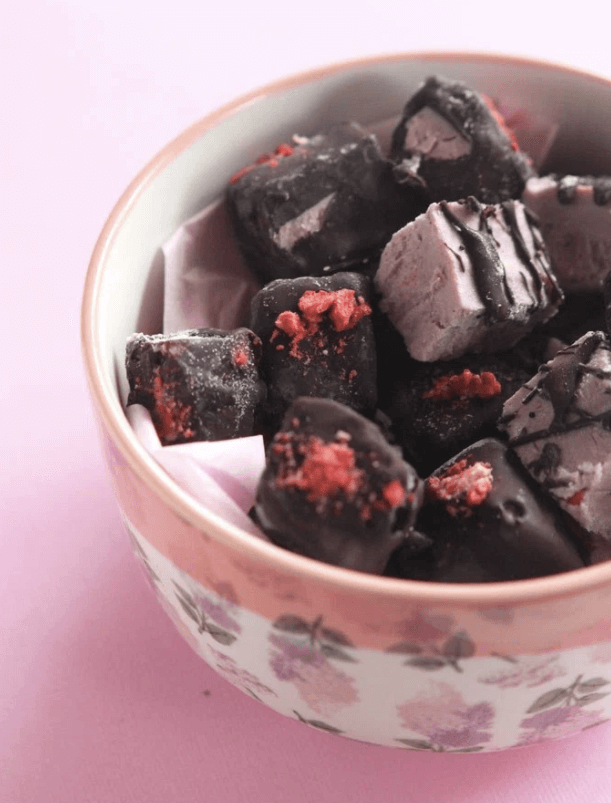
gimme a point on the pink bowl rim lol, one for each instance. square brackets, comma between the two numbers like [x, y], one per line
[112, 416]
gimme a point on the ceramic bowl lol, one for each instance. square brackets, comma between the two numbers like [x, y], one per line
[413, 665]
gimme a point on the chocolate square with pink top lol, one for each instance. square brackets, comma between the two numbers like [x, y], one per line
[488, 523]
[335, 489]
[317, 340]
[199, 384]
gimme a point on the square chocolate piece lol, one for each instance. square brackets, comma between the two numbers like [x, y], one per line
[328, 202]
[489, 523]
[317, 340]
[454, 141]
[334, 488]
[200, 384]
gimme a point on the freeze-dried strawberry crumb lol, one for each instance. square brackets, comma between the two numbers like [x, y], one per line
[461, 487]
[577, 497]
[284, 150]
[327, 469]
[242, 172]
[343, 308]
[291, 324]
[394, 493]
[347, 310]
[170, 416]
[464, 386]
[501, 121]
[266, 158]
[240, 357]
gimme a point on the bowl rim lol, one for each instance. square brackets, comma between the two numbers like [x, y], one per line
[193, 513]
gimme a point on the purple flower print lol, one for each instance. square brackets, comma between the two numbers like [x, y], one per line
[217, 613]
[228, 668]
[290, 657]
[301, 653]
[561, 712]
[529, 672]
[558, 722]
[446, 721]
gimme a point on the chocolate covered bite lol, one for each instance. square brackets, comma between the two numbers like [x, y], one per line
[465, 277]
[413, 559]
[328, 202]
[559, 425]
[438, 409]
[199, 384]
[574, 213]
[452, 140]
[333, 487]
[317, 340]
[488, 523]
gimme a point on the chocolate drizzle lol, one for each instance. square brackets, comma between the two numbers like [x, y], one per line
[558, 379]
[488, 269]
[560, 376]
[511, 220]
[602, 190]
[492, 170]
[566, 189]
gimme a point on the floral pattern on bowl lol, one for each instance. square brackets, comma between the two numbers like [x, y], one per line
[311, 671]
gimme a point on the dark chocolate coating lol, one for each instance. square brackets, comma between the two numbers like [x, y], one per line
[488, 269]
[430, 431]
[350, 525]
[524, 254]
[493, 170]
[566, 188]
[331, 364]
[366, 208]
[200, 384]
[513, 534]
[414, 558]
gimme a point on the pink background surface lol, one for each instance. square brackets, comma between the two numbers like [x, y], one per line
[100, 699]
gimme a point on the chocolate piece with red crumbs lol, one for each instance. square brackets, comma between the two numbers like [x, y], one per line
[489, 523]
[437, 409]
[334, 488]
[328, 202]
[317, 341]
[199, 384]
[452, 140]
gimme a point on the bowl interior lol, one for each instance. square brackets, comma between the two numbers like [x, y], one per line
[125, 280]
